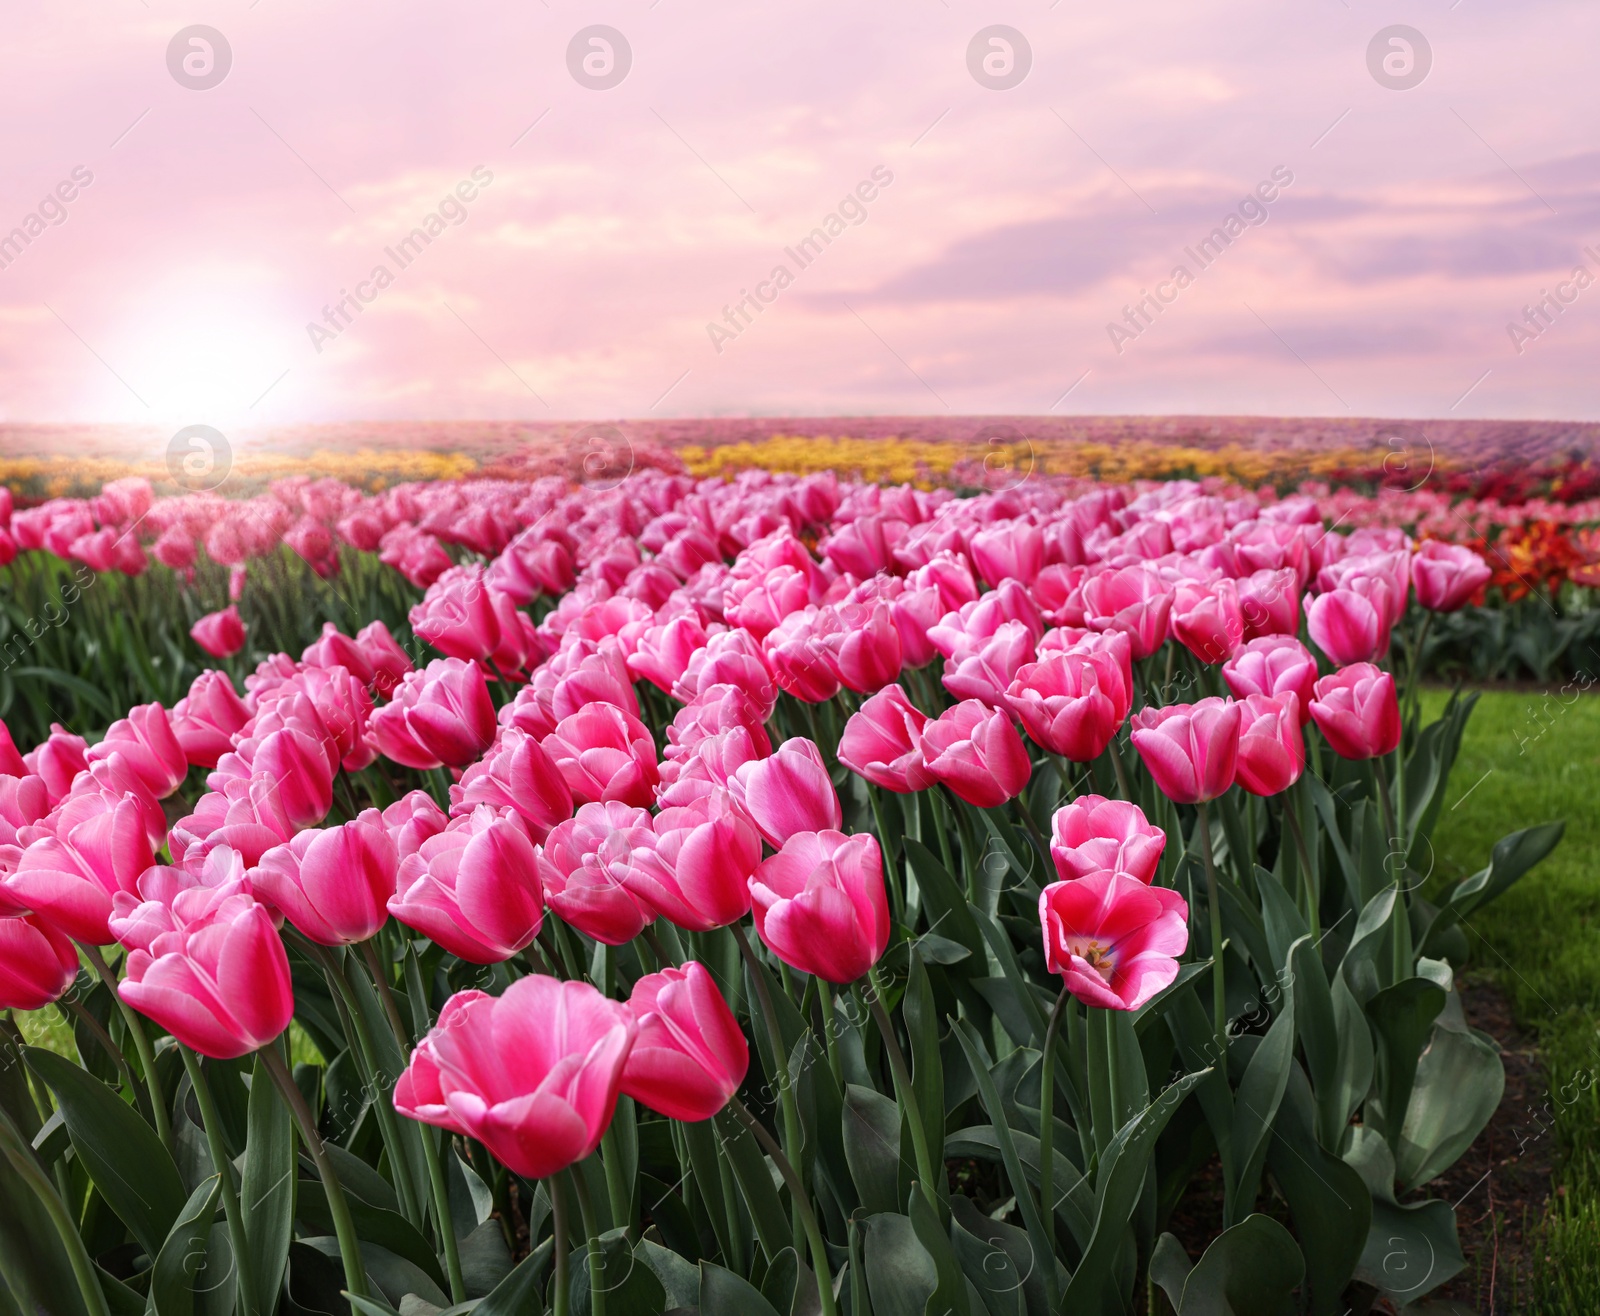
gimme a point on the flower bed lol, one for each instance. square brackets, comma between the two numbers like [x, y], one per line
[782, 894]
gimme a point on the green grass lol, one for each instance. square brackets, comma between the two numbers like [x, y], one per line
[1529, 758]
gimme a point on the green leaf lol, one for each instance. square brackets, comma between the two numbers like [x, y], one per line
[996, 1261]
[1256, 1106]
[1075, 1203]
[1329, 1200]
[927, 1067]
[1411, 1250]
[184, 1253]
[678, 1277]
[1512, 856]
[871, 1127]
[1249, 1270]
[485, 1259]
[631, 1287]
[1357, 968]
[121, 1153]
[33, 1260]
[722, 1293]
[267, 1194]
[782, 1279]
[754, 1175]
[949, 1297]
[1459, 1082]
[901, 1276]
[944, 900]
[1170, 1268]
[387, 1229]
[521, 1293]
[1337, 1101]
[1402, 1017]
[1118, 1184]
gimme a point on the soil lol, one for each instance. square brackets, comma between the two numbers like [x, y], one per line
[1499, 1188]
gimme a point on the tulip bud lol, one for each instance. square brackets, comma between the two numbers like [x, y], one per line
[1093, 833]
[820, 904]
[689, 1056]
[1272, 750]
[1190, 749]
[977, 753]
[1357, 712]
[882, 742]
[334, 884]
[788, 792]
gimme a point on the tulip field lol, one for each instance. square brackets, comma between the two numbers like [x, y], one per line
[753, 895]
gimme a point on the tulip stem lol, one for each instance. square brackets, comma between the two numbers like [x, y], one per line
[1291, 815]
[1219, 988]
[797, 1190]
[780, 1056]
[141, 1044]
[380, 978]
[1121, 771]
[1047, 1119]
[905, 1092]
[891, 860]
[657, 949]
[1396, 841]
[597, 1261]
[83, 1269]
[355, 1272]
[561, 1299]
[211, 1122]
[941, 818]
[441, 1208]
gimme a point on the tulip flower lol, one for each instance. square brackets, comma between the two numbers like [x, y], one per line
[662, 653]
[1062, 706]
[882, 742]
[733, 657]
[333, 884]
[1132, 600]
[696, 872]
[1269, 602]
[1012, 550]
[516, 774]
[58, 761]
[801, 662]
[1357, 712]
[788, 792]
[88, 848]
[1273, 665]
[1114, 940]
[820, 904]
[1190, 749]
[605, 754]
[473, 888]
[206, 720]
[389, 662]
[984, 669]
[977, 753]
[1272, 750]
[215, 976]
[220, 634]
[533, 1074]
[411, 820]
[1446, 576]
[1207, 619]
[37, 963]
[716, 709]
[863, 642]
[1093, 833]
[1349, 626]
[463, 617]
[584, 866]
[690, 1055]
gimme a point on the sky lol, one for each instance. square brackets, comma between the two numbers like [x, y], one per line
[221, 265]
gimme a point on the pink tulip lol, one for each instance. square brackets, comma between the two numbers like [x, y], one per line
[1190, 749]
[1269, 601]
[11, 764]
[1207, 619]
[463, 617]
[533, 1074]
[1357, 712]
[733, 657]
[882, 742]
[801, 662]
[690, 1055]
[1114, 940]
[37, 963]
[788, 792]
[820, 904]
[984, 669]
[296, 763]
[1272, 750]
[1013, 550]
[216, 977]
[473, 888]
[663, 651]
[1446, 576]
[585, 867]
[968, 626]
[245, 815]
[1273, 665]
[90, 847]
[696, 873]
[440, 715]
[1349, 626]
[146, 741]
[335, 649]
[220, 634]
[1093, 833]
[977, 753]
[411, 820]
[605, 754]
[334, 885]
[58, 761]
[1061, 705]
[516, 774]
[24, 801]
[711, 712]
[1133, 600]
[390, 663]
[206, 720]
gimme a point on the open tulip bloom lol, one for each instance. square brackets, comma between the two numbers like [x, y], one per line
[698, 860]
